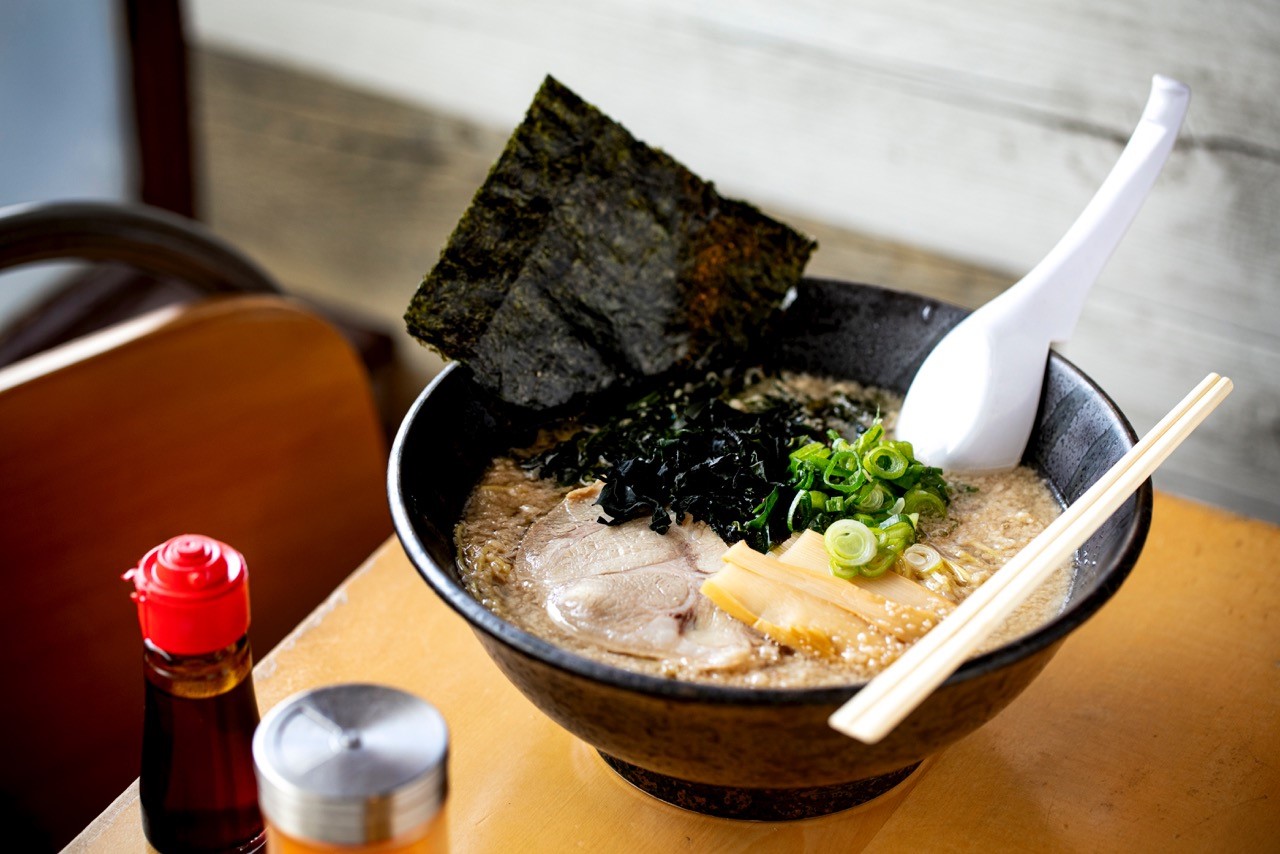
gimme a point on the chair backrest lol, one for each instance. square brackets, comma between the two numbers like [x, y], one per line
[244, 418]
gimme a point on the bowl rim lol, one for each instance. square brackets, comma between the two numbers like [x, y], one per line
[481, 618]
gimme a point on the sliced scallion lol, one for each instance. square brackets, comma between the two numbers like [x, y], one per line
[923, 501]
[923, 559]
[800, 510]
[885, 461]
[849, 543]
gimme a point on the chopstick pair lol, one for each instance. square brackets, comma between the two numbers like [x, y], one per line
[888, 698]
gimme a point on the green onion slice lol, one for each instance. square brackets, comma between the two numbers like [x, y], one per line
[872, 497]
[801, 509]
[923, 559]
[843, 480]
[870, 438]
[923, 501]
[885, 461]
[879, 566]
[849, 544]
[763, 510]
[845, 572]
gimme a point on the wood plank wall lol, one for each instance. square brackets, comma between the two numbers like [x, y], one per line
[976, 130]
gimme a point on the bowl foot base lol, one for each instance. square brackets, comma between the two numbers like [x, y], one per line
[758, 804]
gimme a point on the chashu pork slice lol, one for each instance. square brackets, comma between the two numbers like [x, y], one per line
[631, 590]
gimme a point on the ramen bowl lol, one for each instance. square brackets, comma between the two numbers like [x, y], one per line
[749, 753]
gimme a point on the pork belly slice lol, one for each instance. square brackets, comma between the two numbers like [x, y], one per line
[630, 590]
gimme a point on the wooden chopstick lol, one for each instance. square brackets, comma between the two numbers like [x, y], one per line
[888, 698]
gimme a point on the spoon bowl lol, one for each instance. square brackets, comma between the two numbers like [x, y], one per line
[973, 402]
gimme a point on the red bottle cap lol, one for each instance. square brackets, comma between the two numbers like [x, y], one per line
[192, 594]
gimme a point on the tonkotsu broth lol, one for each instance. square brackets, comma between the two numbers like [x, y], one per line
[991, 517]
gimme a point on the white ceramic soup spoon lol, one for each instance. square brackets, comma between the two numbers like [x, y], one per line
[973, 402]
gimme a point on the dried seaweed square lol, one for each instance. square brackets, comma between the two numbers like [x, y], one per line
[588, 259]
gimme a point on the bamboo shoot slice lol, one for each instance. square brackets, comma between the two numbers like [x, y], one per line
[905, 622]
[809, 552]
[796, 619]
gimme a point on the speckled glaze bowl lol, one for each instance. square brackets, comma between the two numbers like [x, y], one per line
[766, 754]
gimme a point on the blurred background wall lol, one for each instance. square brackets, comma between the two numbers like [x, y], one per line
[64, 126]
[977, 131]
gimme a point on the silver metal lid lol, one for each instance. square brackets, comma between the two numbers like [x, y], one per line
[349, 764]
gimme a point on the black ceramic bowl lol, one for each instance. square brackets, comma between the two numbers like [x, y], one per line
[767, 754]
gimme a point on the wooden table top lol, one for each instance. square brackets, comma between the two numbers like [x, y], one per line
[1156, 726]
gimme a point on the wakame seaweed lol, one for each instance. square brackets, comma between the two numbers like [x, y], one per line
[588, 260]
[684, 450]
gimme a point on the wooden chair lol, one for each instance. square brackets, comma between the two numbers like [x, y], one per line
[246, 418]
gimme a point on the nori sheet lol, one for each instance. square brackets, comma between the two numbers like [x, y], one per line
[588, 260]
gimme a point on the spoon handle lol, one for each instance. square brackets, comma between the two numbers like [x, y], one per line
[1061, 281]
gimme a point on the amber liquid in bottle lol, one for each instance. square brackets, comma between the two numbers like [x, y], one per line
[198, 788]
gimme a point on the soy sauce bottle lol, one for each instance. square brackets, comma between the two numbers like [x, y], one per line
[197, 785]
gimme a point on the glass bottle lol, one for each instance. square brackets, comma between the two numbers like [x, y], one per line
[197, 786]
[353, 768]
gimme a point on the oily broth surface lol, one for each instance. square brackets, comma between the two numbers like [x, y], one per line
[990, 519]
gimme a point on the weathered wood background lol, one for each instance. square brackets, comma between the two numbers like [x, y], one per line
[976, 131]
